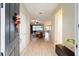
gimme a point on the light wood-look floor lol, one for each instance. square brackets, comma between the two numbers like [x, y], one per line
[39, 47]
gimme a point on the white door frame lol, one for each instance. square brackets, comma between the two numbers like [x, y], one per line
[76, 29]
[3, 29]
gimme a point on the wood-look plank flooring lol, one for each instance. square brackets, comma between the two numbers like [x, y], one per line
[39, 47]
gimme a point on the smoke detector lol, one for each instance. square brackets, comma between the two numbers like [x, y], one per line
[40, 13]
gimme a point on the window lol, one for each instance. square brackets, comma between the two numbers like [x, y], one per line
[37, 28]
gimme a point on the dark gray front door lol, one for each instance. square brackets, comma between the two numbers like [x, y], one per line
[11, 35]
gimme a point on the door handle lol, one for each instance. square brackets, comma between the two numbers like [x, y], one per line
[1, 5]
[76, 46]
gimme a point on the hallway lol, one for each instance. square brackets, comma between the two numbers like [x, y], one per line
[39, 20]
[39, 47]
[54, 25]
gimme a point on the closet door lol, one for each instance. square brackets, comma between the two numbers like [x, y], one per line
[11, 36]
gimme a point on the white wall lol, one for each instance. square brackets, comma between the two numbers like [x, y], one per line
[24, 27]
[68, 21]
[69, 24]
[53, 29]
[46, 22]
[68, 10]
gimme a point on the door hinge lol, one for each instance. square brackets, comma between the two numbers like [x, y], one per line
[76, 46]
[1, 53]
[78, 25]
[1, 5]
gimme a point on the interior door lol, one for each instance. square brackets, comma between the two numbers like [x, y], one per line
[11, 35]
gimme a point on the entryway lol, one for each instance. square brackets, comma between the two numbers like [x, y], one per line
[52, 25]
